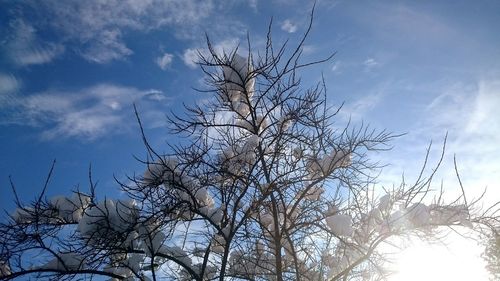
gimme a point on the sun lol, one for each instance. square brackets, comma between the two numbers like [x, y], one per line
[458, 260]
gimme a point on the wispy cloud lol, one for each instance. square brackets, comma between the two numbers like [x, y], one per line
[99, 30]
[369, 64]
[190, 56]
[253, 4]
[308, 49]
[164, 60]
[288, 26]
[86, 114]
[467, 112]
[96, 29]
[25, 48]
[361, 107]
[474, 129]
[484, 119]
[8, 84]
[108, 47]
[412, 21]
[389, 20]
[337, 67]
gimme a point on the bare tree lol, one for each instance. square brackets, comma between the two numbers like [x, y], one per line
[267, 186]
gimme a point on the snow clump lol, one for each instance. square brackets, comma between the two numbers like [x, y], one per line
[237, 81]
[65, 261]
[340, 225]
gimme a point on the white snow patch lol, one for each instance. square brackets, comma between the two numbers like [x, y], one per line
[65, 261]
[340, 225]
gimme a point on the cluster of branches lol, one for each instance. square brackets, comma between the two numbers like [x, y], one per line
[268, 187]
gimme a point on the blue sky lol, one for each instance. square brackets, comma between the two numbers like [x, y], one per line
[71, 70]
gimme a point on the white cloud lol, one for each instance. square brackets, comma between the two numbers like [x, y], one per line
[484, 119]
[403, 19]
[191, 55]
[25, 48]
[9, 87]
[156, 95]
[97, 28]
[8, 84]
[361, 107]
[468, 108]
[107, 47]
[253, 4]
[288, 26]
[467, 112]
[164, 61]
[308, 49]
[337, 67]
[369, 64]
[415, 23]
[86, 114]
[474, 129]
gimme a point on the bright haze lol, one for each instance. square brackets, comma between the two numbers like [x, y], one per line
[70, 72]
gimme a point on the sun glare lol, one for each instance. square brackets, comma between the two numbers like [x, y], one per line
[459, 260]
